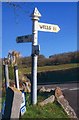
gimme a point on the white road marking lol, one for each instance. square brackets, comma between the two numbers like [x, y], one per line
[74, 89]
[61, 88]
[67, 89]
[64, 88]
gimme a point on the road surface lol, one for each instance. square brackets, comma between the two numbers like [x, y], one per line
[71, 93]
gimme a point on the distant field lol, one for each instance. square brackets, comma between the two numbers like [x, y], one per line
[49, 68]
[57, 67]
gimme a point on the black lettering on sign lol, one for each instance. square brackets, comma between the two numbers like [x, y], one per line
[41, 26]
[19, 37]
[26, 36]
[19, 41]
[45, 27]
[54, 28]
[49, 27]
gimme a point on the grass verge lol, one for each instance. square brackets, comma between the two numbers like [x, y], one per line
[51, 110]
[48, 111]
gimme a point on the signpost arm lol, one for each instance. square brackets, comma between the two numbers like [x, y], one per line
[35, 17]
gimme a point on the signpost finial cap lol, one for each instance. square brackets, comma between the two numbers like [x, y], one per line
[36, 13]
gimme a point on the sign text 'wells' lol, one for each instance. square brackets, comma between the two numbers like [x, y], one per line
[48, 27]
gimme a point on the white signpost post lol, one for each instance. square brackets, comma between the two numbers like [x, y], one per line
[37, 26]
[35, 17]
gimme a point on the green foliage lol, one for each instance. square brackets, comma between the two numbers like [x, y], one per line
[51, 110]
[48, 111]
[24, 62]
[58, 59]
[11, 72]
[54, 62]
[0, 103]
[64, 58]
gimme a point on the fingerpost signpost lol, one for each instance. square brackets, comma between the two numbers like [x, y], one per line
[36, 26]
